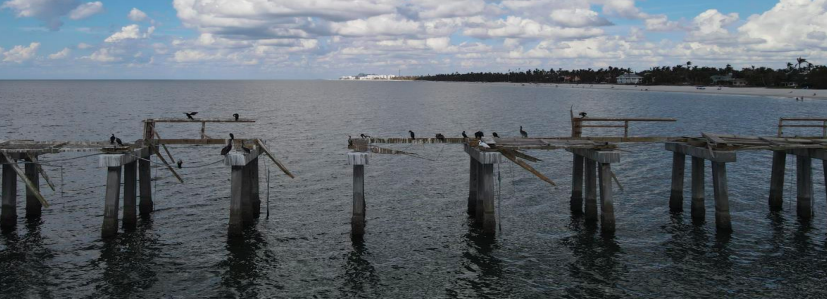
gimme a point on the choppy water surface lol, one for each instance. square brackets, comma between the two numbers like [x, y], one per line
[419, 241]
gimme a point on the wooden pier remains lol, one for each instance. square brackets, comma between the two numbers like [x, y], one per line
[130, 165]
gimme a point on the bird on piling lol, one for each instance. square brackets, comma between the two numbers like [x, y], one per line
[118, 141]
[349, 141]
[464, 135]
[226, 149]
[180, 162]
[364, 136]
[479, 135]
[413, 136]
[235, 115]
[440, 137]
[583, 114]
[495, 134]
[246, 150]
[523, 133]
[112, 139]
[191, 114]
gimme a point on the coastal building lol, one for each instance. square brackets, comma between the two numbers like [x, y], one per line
[629, 78]
[368, 77]
[728, 80]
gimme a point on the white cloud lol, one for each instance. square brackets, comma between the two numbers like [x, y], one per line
[86, 10]
[184, 56]
[84, 46]
[104, 55]
[792, 25]
[129, 32]
[20, 54]
[61, 54]
[662, 23]
[578, 18]
[516, 27]
[136, 15]
[47, 11]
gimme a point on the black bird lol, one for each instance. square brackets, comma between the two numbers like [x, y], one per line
[440, 137]
[364, 136]
[226, 149]
[235, 115]
[464, 135]
[583, 114]
[479, 135]
[412, 134]
[180, 163]
[495, 134]
[349, 141]
[523, 133]
[112, 139]
[246, 150]
[118, 141]
[191, 114]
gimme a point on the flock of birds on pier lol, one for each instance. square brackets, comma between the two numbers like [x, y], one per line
[441, 137]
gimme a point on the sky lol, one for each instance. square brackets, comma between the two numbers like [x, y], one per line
[326, 39]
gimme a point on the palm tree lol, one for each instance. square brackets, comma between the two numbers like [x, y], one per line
[800, 62]
[688, 65]
[789, 66]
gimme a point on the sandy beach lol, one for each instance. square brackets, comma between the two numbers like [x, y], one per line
[807, 94]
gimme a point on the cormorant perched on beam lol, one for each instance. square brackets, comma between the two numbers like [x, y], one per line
[479, 135]
[440, 137]
[495, 134]
[583, 114]
[112, 139]
[190, 115]
[523, 133]
[118, 141]
[235, 115]
[364, 136]
[464, 135]
[412, 134]
[226, 149]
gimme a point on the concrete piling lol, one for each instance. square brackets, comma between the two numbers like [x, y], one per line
[472, 187]
[698, 197]
[591, 190]
[8, 215]
[723, 221]
[247, 194]
[479, 206]
[110, 210]
[236, 225]
[804, 185]
[130, 180]
[607, 215]
[486, 193]
[357, 220]
[678, 171]
[779, 163]
[576, 202]
[145, 177]
[33, 206]
[256, 192]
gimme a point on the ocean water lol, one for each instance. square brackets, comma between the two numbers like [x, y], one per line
[419, 242]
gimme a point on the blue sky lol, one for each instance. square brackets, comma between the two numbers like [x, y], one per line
[259, 39]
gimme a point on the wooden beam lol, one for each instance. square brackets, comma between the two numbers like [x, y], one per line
[155, 151]
[200, 120]
[20, 173]
[509, 154]
[42, 172]
[525, 156]
[165, 147]
[694, 151]
[597, 156]
[585, 119]
[278, 163]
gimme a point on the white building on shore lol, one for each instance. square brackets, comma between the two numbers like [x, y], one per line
[629, 78]
[368, 77]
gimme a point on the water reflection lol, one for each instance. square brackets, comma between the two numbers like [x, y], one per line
[23, 263]
[482, 272]
[128, 262]
[242, 270]
[595, 261]
[360, 276]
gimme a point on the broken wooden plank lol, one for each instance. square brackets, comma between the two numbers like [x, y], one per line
[20, 173]
[278, 163]
[165, 147]
[42, 172]
[714, 139]
[509, 154]
[526, 156]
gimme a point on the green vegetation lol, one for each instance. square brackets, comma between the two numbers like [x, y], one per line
[800, 75]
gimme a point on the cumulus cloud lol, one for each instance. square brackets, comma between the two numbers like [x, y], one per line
[61, 54]
[86, 10]
[184, 56]
[129, 32]
[104, 55]
[136, 15]
[84, 46]
[20, 54]
[578, 18]
[50, 12]
[789, 26]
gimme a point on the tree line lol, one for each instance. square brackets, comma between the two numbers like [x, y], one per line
[801, 74]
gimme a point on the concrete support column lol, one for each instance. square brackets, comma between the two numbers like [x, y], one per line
[236, 226]
[246, 194]
[110, 210]
[33, 206]
[472, 187]
[145, 177]
[576, 202]
[486, 194]
[8, 215]
[678, 171]
[591, 190]
[698, 209]
[723, 221]
[779, 163]
[357, 220]
[256, 194]
[130, 180]
[607, 214]
[804, 184]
